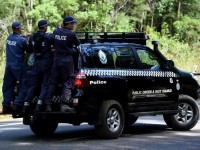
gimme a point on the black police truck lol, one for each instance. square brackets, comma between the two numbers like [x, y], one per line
[118, 79]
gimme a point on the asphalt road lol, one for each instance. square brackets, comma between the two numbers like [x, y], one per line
[148, 133]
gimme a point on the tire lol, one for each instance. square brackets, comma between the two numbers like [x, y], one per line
[188, 116]
[113, 120]
[43, 127]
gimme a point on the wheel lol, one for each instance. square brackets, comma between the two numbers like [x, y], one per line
[112, 120]
[188, 116]
[43, 127]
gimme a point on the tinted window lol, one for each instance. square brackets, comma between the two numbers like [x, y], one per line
[125, 58]
[148, 59]
[98, 57]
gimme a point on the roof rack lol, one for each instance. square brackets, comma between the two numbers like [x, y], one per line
[125, 37]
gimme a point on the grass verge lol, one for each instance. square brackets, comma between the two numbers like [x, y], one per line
[5, 117]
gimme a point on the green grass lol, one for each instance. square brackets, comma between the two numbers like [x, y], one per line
[2, 69]
[5, 117]
[185, 56]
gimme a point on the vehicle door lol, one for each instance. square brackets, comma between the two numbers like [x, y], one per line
[163, 89]
[133, 80]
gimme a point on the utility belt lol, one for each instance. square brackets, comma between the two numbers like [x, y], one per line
[63, 53]
[43, 58]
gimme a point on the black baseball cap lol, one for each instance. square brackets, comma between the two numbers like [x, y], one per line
[16, 25]
[69, 19]
[43, 23]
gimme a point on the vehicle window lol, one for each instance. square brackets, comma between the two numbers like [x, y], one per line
[98, 57]
[125, 58]
[148, 59]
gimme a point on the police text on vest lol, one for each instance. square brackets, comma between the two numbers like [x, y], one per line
[61, 38]
[11, 42]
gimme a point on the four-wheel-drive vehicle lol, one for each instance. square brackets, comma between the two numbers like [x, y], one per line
[118, 79]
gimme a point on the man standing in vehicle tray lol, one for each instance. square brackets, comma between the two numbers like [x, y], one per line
[63, 67]
[41, 44]
[16, 47]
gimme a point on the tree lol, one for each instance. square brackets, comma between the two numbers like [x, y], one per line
[45, 9]
[27, 6]
[94, 17]
[188, 30]
[67, 7]
[9, 12]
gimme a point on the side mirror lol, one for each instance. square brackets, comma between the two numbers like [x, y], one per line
[170, 63]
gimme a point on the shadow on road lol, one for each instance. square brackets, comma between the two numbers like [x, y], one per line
[138, 136]
[65, 132]
[84, 132]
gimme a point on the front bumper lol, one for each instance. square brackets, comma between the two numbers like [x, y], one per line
[198, 93]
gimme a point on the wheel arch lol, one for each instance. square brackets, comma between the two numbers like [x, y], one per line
[192, 109]
[98, 120]
[190, 91]
[102, 128]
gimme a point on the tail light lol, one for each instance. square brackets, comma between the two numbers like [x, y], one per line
[81, 80]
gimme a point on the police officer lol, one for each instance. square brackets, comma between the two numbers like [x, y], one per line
[41, 44]
[64, 41]
[15, 70]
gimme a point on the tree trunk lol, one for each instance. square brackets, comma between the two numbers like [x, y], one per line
[151, 5]
[97, 4]
[152, 20]
[144, 14]
[179, 9]
[29, 21]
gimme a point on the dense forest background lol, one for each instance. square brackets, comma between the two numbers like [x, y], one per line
[175, 23]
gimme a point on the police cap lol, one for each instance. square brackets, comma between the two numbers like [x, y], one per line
[16, 25]
[69, 19]
[43, 23]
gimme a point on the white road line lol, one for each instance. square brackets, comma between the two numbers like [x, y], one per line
[72, 139]
[20, 123]
[11, 124]
[63, 124]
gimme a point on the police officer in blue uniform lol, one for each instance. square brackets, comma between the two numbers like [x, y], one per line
[64, 41]
[41, 43]
[15, 70]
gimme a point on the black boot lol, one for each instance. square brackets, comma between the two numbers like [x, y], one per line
[26, 109]
[66, 108]
[39, 108]
[7, 110]
[17, 109]
[48, 108]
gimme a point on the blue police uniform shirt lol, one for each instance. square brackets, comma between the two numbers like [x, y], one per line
[46, 45]
[16, 46]
[64, 40]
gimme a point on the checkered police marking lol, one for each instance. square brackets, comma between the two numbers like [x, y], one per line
[56, 99]
[134, 73]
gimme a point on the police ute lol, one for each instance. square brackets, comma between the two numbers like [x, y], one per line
[117, 79]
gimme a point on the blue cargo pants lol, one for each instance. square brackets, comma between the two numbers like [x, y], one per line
[11, 76]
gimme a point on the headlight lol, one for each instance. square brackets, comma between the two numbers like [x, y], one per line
[198, 93]
[194, 76]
